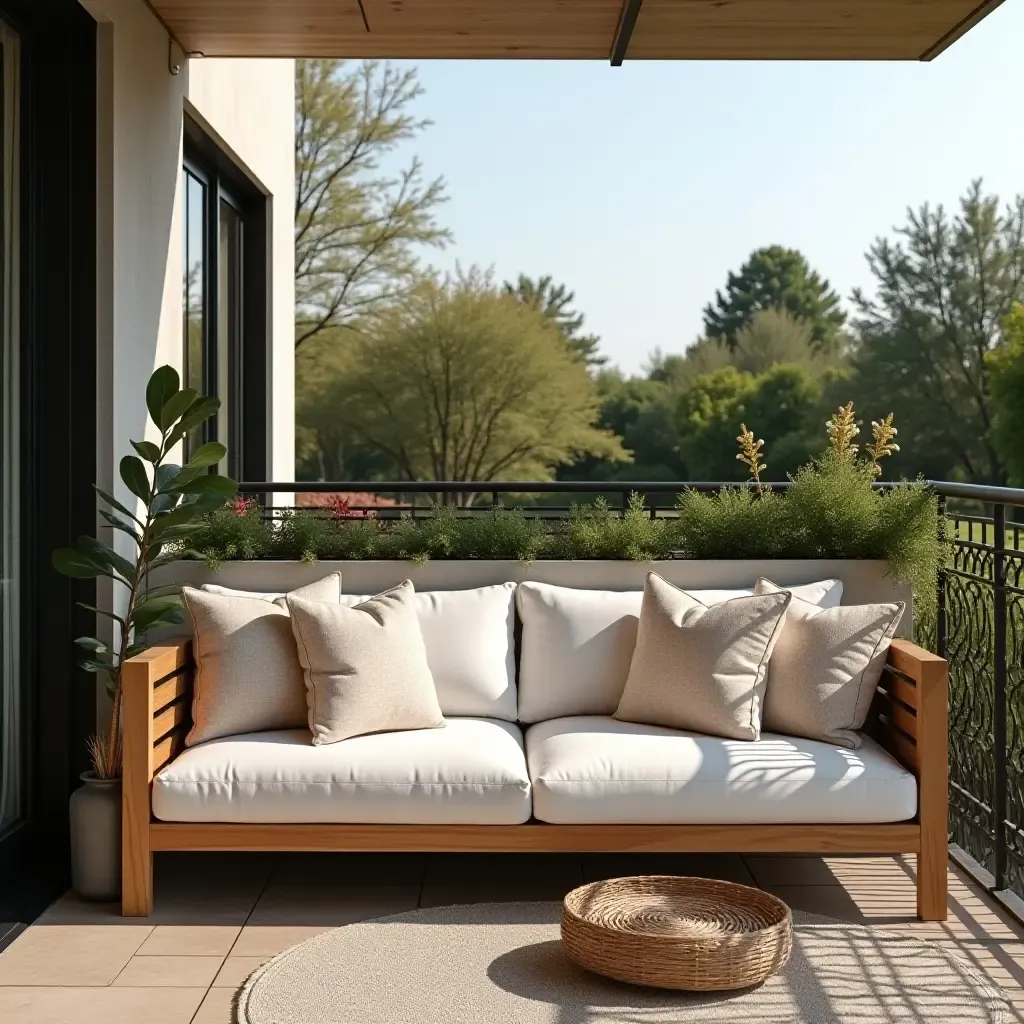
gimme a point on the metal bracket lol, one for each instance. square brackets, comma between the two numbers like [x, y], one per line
[624, 30]
[176, 57]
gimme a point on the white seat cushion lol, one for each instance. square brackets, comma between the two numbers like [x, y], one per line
[577, 644]
[468, 635]
[473, 772]
[598, 770]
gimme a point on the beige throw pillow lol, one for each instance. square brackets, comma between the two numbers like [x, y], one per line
[327, 589]
[700, 667]
[825, 668]
[248, 677]
[365, 667]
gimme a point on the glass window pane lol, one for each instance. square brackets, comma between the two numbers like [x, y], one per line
[229, 328]
[195, 290]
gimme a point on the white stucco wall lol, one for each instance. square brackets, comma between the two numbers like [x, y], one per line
[247, 107]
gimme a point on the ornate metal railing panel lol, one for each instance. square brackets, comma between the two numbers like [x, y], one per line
[979, 629]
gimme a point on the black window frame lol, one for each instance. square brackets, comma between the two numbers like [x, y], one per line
[249, 351]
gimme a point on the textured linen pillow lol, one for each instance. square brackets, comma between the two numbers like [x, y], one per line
[248, 676]
[365, 667]
[825, 667]
[577, 645]
[469, 637]
[327, 589]
[701, 667]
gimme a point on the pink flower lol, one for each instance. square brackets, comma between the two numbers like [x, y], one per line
[341, 508]
[240, 506]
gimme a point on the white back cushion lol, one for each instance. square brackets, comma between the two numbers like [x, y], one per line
[577, 645]
[468, 635]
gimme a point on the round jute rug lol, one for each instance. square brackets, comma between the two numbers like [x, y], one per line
[502, 963]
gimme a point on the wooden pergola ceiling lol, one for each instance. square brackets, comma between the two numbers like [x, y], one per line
[580, 29]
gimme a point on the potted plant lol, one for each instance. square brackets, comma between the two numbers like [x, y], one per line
[173, 499]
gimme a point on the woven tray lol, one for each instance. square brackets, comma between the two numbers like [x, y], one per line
[666, 931]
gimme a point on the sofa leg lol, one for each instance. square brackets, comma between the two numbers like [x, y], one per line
[931, 883]
[136, 882]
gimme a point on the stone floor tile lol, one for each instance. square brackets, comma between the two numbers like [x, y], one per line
[236, 969]
[69, 954]
[768, 869]
[168, 971]
[457, 868]
[372, 869]
[828, 900]
[189, 940]
[177, 903]
[331, 905]
[100, 1005]
[217, 1007]
[269, 940]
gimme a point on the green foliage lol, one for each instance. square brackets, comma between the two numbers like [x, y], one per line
[775, 278]
[1006, 370]
[943, 288]
[831, 511]
[597, 531]
[464, 382]
[358, 230]
[554, 302]
[177, 501]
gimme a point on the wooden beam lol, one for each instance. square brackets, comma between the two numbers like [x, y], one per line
[624, 30]
[537, 837]
[983, 9]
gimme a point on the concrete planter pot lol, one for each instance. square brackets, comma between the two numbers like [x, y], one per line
[864, 581]
[95, 810]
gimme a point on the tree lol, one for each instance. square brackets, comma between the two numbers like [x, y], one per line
[775, 337]
[1006, 370]
[461, 382]
[944, 287]
[781, 406]
[357, 228]
[555, 303]
[775, 278]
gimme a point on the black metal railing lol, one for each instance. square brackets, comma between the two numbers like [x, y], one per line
[977, 625]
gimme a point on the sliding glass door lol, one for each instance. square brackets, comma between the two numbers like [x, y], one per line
[12, 752]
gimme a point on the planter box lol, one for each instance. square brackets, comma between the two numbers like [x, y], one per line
[864, 581]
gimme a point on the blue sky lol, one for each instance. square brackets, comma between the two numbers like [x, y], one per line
[640, 187]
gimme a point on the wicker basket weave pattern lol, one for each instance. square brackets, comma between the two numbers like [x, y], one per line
[666, 931]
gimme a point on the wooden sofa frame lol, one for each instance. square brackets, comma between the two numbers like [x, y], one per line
[909, 718]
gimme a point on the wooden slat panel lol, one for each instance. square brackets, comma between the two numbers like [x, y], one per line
[902, 689]
[896, 712]
[171, 717]
[167, 750]
[903, 749]
[913, 660]
[159, 662]
[879, 839]
[666, 29]
[171, 689]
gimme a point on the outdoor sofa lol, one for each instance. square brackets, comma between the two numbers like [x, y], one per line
[531, 759]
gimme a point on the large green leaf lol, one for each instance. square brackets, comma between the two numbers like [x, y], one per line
[210, 483]
[102, 611]
[90, 643]
[176, 407]
[78, 564]
[94, 665]
[149, 451]
[172, 588]
[166, 498]
[207, 455]
[157, 611]
[120, 524]
[134, 475]
[114, 503]
[200, 410]
[108, 556]
[161, 387]
[176, 517]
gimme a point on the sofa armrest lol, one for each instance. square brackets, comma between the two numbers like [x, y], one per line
[157, 712]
